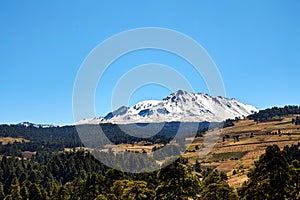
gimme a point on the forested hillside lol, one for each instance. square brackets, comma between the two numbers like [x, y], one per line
[36, 165]
[54, 139]
[79, 176]
[271, 113]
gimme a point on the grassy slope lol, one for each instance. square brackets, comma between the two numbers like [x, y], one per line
[240, 156]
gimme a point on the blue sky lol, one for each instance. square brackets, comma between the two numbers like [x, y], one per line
[255, 44]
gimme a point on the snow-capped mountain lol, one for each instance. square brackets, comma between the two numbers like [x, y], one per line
[179, 106]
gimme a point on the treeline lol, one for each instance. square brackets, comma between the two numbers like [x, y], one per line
[55, 139]
[270, 113]
[49, 140]
[79, 175]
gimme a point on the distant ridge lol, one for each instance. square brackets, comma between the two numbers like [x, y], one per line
[29, 124]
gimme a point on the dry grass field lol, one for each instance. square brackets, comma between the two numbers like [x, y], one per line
[11, 140]
[229, 154]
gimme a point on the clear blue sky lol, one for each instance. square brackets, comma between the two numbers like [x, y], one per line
[255, 44]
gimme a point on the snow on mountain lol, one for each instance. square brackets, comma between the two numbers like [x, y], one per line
[179, 106]
[29, 124]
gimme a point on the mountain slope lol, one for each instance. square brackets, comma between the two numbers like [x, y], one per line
[179, 106]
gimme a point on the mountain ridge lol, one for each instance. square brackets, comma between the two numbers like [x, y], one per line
[179, 106]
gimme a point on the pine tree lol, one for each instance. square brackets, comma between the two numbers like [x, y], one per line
[132, 190]
[15, 189]
[35, 192]
[2, 195]
[24, 192]
[215, 187]
[271, 179]
[197, 166]
[63, 193]
[177, 182]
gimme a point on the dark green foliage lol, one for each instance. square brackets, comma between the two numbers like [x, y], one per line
[216, 187]
[45, 141]
[15, 189]
[2, 195]
[35, 191]
[270, 113]
[228, 123]
[272, 177]
[197, 167]
[296, 121]
[132, 190]
[79, 176]
[52, 174]
[177, 182]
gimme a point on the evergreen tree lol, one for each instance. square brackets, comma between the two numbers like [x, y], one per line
[197, 166]
[35, 192]
[24, 192]
[177, 182]
[215, 187]
[94, 185]
[8, 197]
[271, 178]
[15, 189]
[63, 193]
[2, 195]
[101, 197]
[132, 190]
